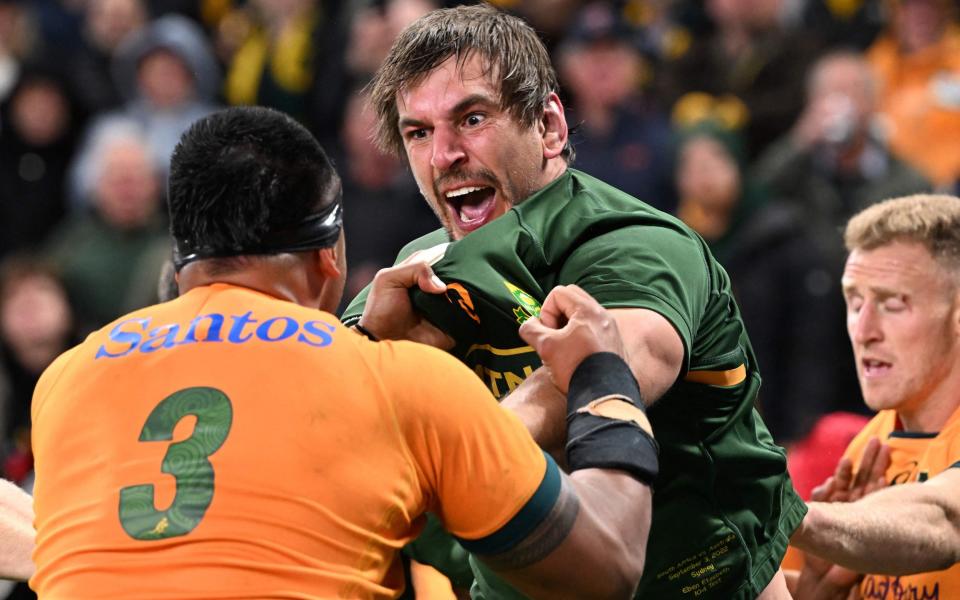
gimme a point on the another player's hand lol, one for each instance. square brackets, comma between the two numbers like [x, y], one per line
[571, 327]
[844, 486]
[822, 580]
[389, 314]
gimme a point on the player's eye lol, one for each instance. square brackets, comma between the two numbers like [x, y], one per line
[474, 119]
[894, 304]
[416, 134]
[854, 303]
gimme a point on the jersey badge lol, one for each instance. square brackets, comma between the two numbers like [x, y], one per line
[529, 307]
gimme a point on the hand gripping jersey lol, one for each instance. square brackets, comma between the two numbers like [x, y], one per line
[232, 445]
[914, 457]
[723, 507]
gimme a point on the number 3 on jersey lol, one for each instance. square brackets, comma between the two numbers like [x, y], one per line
[188, 461]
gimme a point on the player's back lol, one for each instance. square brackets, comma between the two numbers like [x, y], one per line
[225, 444]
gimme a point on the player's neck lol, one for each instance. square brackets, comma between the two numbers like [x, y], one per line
[933, 412]
[283, 281]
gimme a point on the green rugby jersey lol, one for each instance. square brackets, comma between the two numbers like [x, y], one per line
[723, 504]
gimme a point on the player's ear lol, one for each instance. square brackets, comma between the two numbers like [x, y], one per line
[553, 124]
[328, 261]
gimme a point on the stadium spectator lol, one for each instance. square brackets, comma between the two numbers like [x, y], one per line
[107, 23]
[254, 211]
[169, 78]
[902, 288]
[385, 207]
[373, 29]
[852, 24]
[40, 126]
[291, 59]
[111, 253]
[484, 131]
[780, 278]
[36, 325]
[833, 162]
[917, 64]
[622, 137]
[749, 63]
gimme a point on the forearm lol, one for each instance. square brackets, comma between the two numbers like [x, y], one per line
[16, 532]
[618, 509]
[917, 526]
[604, 552]
[594, 542]
[543, 410]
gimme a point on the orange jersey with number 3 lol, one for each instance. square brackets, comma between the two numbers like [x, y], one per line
[913, 458]
[232, 445]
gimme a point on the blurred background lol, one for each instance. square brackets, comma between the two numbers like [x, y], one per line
[763, 124]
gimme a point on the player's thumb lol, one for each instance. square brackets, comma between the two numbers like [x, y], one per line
[428, 281]
[533, 332]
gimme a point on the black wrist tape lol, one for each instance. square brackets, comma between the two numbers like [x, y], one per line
[599, 442]
[602, 374]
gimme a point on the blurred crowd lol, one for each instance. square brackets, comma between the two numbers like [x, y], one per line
[763, 124]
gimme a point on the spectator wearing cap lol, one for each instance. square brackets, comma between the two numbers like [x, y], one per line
[621, 137]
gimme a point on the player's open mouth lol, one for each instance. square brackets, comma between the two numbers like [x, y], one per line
[472, 206]
[875, 368]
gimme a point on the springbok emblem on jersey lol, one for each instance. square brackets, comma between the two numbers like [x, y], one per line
[529, 307]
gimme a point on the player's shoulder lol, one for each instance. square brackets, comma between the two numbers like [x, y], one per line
[578, 208]
[50, 377]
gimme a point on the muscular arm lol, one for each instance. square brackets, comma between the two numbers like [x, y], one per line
[592, 545]
[917, 526]
[654, 352]
[16, 532]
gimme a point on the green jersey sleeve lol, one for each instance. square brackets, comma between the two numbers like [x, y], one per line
[667, 274]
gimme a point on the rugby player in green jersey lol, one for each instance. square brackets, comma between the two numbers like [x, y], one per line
[468, 95]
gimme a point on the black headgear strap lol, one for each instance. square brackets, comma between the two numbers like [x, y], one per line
[319, 230]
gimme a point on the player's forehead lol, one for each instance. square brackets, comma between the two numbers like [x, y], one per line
[446, 87]
[902, 266]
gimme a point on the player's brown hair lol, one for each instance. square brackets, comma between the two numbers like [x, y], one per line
[932, 220]
[512, 54]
